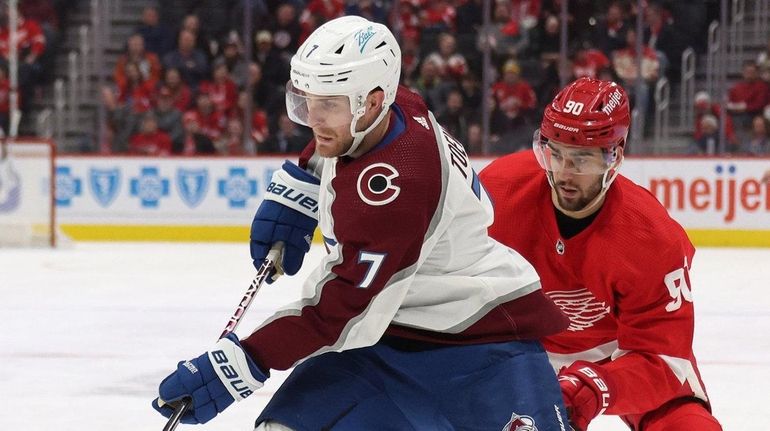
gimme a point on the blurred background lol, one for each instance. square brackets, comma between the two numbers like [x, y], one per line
[148, 120]
[183, 77]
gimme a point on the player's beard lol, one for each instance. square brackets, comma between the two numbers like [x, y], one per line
[573, 197]
[329, 143]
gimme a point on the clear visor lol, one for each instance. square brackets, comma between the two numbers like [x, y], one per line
[557, 157]
[317, 111]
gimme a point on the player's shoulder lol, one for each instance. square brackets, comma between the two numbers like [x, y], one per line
[646, 218]
[511, 172]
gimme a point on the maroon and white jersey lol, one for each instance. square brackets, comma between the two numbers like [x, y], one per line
[623, 281]
[409, 255]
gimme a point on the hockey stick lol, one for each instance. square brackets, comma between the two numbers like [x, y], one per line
[181, 407]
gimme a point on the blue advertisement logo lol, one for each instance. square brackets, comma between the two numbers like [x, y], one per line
[192, 185]
[237, 188]
[105, 185]
[149, 187]
[68, 186]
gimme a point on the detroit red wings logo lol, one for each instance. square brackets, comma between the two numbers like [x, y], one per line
[582, 308]
[520, 423]
[376, 184]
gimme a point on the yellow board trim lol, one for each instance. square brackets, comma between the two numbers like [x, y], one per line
[77, 232]
[81, 232]
[729, 238]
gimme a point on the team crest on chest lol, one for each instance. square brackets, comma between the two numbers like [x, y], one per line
[520, 423]
[376, 184]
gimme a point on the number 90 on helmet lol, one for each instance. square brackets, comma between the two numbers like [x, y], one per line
[348, 56]
[587, 113]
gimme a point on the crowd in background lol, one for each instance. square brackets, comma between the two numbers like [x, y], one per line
[184, 83]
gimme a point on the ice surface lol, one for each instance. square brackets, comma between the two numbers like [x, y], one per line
[88, 332]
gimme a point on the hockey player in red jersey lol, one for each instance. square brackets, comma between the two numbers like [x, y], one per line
[416, 318]
[611, 257]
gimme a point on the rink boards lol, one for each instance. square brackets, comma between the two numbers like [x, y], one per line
[719, 201]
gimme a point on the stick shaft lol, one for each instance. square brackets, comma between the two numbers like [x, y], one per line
[263, 272]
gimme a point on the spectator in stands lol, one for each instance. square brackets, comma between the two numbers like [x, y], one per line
[407, 19]
[410, 55]
[180, 92]
[514, 96]
[221, 89]
[763, 63]
[195, 142]
[369, 9]
[589, 62]
[624, 65]
[704, 106]
[547, 41]
[148, 62]
[438, 16]
[505, 36]
[451, 65]
[475, 141]
[210, 121]
[169, 118]
[758, 143]
[134, 91]
[150, 141]
[660, 36]
[469, 17]
[5, 102]
[237, 67]
[203, 41]
[289, 138]
[453, 117]
[43, 12]
[430, 85]
[30, 46]
[709, 136]
[326, 9]
[470, 88]
[232, 142]
[157, 38]
[611, 31]
[261, 90]
[259, 120]
[285, 30]
[747, 99]
[191, 62]
[275, 69]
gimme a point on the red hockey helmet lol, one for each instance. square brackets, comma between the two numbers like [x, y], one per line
[589, 113]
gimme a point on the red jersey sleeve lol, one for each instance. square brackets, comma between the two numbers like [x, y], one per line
[654, 312]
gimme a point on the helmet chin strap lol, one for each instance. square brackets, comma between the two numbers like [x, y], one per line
[358, 137]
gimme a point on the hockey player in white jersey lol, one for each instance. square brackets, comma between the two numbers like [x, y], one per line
[415, 319]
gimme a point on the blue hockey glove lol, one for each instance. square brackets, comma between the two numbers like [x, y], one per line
[213, 381]
[288, 214]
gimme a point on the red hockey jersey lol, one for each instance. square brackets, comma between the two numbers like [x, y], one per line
[623, 281]
[409, 255]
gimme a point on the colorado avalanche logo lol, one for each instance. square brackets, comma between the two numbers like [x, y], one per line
[375, 184]
[192, 185]
[10, 187]
[105, 184]
[520, 423]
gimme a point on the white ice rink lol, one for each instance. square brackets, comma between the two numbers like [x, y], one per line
[87, 332]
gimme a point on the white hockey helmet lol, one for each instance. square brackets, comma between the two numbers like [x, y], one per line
[347, 56]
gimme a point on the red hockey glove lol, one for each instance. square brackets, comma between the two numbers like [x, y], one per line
[586, 391]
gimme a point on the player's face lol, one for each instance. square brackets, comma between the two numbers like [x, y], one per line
[328, 116]
[330, 119]
[577, 174]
